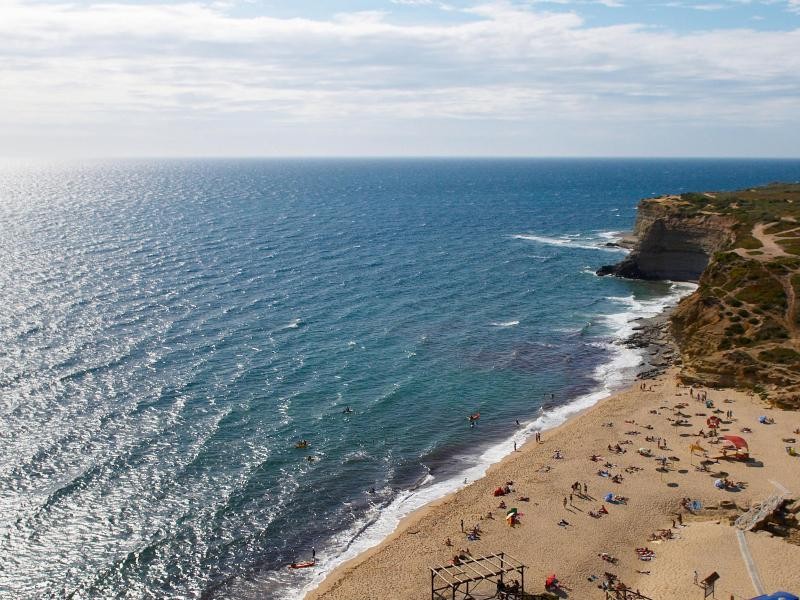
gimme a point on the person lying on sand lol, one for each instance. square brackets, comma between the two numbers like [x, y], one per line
[563, 523]
[607, 557]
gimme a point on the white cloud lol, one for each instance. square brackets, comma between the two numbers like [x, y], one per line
[114, 62]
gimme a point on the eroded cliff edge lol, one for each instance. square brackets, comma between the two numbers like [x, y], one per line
[741, 327]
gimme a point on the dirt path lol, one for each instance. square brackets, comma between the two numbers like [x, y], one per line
[771, 247]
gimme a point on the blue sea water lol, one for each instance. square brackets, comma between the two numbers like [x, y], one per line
[170, 329]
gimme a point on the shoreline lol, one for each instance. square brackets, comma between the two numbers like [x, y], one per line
[332, 579]
[401, 562]
[649, 338]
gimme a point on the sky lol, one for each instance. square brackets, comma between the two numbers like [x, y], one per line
[399, 78]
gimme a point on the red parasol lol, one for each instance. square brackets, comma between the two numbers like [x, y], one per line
[737, 441]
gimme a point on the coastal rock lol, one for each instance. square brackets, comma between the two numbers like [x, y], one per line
[670, 245]
[741, 328]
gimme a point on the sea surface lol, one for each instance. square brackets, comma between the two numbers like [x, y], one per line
[170, 329]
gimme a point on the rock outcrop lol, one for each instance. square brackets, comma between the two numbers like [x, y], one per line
[671, 246]
[741, 328]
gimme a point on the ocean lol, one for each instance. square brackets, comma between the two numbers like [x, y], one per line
[170, 329]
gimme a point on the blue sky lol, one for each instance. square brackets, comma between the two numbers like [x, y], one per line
[399, 78]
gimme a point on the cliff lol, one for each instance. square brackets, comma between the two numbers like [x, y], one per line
[670, 245]
[742, 326]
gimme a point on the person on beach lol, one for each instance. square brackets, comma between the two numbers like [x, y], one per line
[565, 502]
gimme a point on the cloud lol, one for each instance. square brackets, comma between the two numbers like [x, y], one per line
[119, 62]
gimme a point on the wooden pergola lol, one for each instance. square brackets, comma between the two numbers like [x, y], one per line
[461, 581]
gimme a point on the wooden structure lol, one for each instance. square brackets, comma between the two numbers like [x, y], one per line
[708, 584]
[625, 594]
[462, 581]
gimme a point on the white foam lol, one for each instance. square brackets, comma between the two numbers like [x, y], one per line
[293, 324]
[566, 241]
[374, 527]
[610, 235]
[504, 323]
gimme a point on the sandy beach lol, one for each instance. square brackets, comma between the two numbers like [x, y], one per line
[634, 419]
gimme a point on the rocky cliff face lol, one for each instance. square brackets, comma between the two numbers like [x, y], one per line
[741, 328]
[670, 245]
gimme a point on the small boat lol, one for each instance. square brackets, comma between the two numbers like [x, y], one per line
[302, 444]
[303, 565]
[474, 416]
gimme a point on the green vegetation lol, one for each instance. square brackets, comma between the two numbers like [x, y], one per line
[739, 328]
[784, 356]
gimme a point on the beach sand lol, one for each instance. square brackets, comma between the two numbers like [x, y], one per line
[399, 567]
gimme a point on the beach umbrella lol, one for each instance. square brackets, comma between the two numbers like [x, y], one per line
[551, 579]
[738, 442]
[511, 516]
[778, 596]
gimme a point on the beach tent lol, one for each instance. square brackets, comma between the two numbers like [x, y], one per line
[734, 442]
[777, 596]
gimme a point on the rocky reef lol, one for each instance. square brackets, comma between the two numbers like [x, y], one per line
[741, 328]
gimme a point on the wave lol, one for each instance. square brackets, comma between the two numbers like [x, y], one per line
[504, 323]
[293, 324]
[611, 376]
[567, 242]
